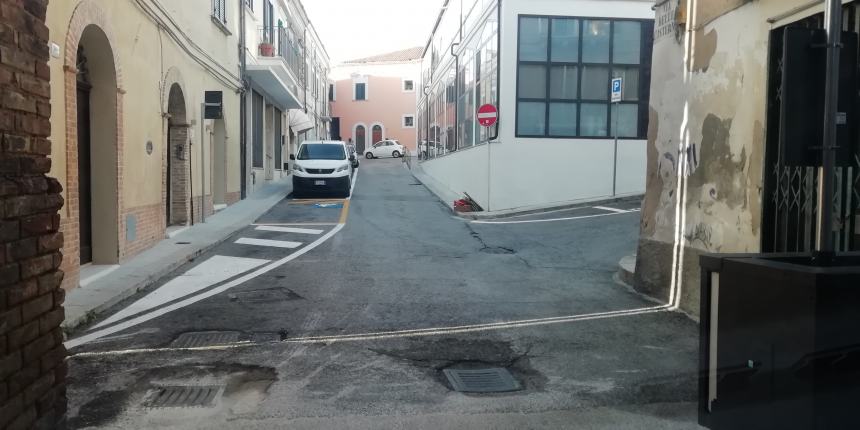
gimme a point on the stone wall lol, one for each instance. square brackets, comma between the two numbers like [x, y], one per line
[32, 366]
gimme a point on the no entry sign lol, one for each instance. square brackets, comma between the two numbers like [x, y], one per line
[488, 115]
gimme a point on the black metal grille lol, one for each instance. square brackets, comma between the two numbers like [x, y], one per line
[184, 397]
[791, 192]
[219, 10]
[495, 380]
[321, 171]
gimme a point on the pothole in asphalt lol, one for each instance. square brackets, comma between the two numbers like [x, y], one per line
[497, 250]
[442, 357]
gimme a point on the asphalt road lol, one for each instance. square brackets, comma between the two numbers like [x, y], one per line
[343, 314]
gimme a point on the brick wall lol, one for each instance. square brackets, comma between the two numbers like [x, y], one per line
[32, 366]
[149, 229]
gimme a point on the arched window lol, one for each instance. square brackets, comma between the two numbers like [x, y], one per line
[360, 139]
[376, 132]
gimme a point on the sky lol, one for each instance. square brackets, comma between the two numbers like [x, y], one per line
[352, 29]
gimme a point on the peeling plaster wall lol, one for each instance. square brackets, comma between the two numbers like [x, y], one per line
[706, 140]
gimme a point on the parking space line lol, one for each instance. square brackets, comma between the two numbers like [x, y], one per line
[295, 223]
[344, 213]
[269, 243]
[616, 210]
[288, 229]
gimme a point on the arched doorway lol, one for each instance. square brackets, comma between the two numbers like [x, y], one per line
[96, 100]
[219, 166]
[376, 134]
[176, 174]
[360, 139]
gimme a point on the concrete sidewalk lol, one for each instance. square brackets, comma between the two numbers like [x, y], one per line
[86, 302]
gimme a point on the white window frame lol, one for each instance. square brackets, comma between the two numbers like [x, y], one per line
[403, 120]
[403, 85]
[361, 80]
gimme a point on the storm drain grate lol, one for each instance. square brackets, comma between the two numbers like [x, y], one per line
[184, 397]
[203, 339]
[494, 380]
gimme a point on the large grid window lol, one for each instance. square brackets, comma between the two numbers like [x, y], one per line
[564, 68]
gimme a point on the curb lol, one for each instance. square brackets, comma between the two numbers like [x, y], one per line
[627, 269]
[540, 210]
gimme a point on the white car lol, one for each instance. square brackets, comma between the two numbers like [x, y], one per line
[385, 148]
[322, 167]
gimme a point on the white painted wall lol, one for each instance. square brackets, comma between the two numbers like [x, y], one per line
[529, 172]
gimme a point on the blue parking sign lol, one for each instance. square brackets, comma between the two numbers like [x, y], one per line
[617, 88]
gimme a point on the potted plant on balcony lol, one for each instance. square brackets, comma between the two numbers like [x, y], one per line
[267, 49]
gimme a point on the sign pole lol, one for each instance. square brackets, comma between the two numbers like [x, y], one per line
[615, 155]
[617, 89]
[826, 181]
[488, 116]
[202, 164]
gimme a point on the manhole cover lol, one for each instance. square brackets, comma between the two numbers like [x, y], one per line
[184, 397]
[497, 250]
[495, 380]
[205, 338]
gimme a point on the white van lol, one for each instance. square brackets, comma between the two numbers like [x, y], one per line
[322, 166]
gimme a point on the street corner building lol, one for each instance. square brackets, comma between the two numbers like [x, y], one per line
[719, 175]
[546, 65]
[135, 154]
[374, 98]
[287, 101]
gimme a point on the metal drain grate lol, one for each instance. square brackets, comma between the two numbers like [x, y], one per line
[184, 397]
[202, 339]
[495, 380]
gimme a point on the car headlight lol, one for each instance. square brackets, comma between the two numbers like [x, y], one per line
[298, 168]
[342, 168]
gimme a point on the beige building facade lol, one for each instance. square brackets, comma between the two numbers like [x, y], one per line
[128, 143]
[716, 182]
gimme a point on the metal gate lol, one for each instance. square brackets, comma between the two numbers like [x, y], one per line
[791, 192]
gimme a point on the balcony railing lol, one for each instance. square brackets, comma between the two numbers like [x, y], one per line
[281, 42]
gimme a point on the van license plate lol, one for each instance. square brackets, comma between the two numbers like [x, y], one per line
[319, 182]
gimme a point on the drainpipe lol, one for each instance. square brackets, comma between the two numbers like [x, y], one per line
[498, 101]
[243, 122]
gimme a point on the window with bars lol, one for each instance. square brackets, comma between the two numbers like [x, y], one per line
[564, 69]
[219, 10]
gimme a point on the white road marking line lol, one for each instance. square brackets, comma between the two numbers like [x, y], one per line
[217, 269]
[205, 295]
[437, 331]
[354, 180]
[604, 208]
[288, 229]
[270, 243]
[531, 221]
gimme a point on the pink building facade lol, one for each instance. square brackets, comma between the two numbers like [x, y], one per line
[374, 98]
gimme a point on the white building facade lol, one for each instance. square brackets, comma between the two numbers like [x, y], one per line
[547, 66]
[286, 99]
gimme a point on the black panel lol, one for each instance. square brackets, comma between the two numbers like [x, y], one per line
[214, 105]
[803, 86]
